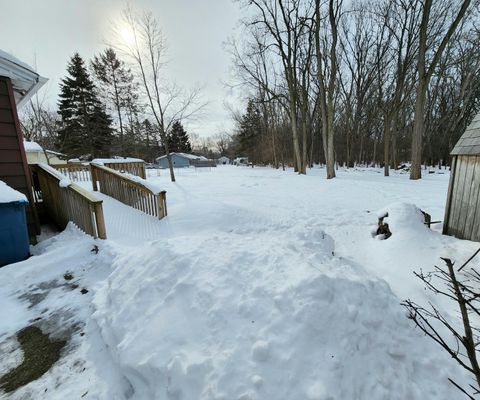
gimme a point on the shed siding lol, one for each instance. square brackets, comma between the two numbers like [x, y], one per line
[462, 216]
[472, 197]
[14, 170]
[178, 161]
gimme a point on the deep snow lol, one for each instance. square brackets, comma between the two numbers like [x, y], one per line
[260, 284]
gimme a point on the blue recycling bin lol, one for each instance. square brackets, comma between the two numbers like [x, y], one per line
[14, 243]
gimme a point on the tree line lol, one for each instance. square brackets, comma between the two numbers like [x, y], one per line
[109, 106]
[381, 82]
[100, 114]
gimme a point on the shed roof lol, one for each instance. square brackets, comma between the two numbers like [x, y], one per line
[184, 155]
[469, 143]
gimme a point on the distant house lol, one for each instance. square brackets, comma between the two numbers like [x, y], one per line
[180, 160]
[223, 160]
[240, 161]
[35, 154]
[462, 212]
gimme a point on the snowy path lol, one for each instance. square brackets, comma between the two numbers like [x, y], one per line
[126, 225]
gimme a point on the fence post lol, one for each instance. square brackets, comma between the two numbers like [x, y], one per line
[162, 205]
[93, 172]
[101, 231]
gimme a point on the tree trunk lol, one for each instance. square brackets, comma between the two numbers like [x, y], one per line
[418, 129]
[296, 144]
[386, 146]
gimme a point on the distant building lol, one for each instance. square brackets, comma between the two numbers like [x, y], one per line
[35, 154]
[223, 160]
[180, 160]
[240, 161]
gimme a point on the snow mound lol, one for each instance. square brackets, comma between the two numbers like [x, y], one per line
[268, 317]
[404, 217]
[9, 195]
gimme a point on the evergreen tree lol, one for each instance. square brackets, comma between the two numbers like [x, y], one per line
[117, 88]
[178, 140]
[84, 126]
[249, 131]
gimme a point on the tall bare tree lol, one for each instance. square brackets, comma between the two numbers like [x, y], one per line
[326, 41]
[425, 72]
[145, 44]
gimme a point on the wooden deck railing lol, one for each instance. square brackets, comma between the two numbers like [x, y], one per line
[134, 168]
[75, 172]
[128, 191]
[69, 202]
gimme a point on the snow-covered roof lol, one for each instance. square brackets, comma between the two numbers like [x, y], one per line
[25, 81]
[184, 155]
[32, 146]
[102, 161]
[469, 143]
[9, 195]
[55, 153]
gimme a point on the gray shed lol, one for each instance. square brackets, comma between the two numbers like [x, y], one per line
[180, 160]
[462, 213]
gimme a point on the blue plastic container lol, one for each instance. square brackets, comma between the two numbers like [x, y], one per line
[14, 244]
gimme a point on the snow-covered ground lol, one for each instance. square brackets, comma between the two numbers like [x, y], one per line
[260, 284]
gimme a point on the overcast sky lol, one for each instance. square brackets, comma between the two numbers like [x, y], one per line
[46, 33]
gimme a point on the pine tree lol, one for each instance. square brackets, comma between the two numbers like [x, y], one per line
[85, 126]
[118, 90]
[178, 140]
[249, 132]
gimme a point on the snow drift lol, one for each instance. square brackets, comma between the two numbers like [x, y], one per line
[269, 317]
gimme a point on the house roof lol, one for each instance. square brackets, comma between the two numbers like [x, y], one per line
[184, 155]
[31, 146]
[25, 81]
[469, 143]
[55, 153]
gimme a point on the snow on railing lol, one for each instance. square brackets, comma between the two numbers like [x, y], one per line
[133, 166]
[77, 172]
[65, 201]
[130, 190]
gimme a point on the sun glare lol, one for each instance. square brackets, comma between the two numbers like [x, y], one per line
[127, 36]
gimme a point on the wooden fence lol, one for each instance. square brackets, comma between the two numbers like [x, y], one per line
[203, 163]
[134, 168]
[75, 172]
[128, 191]
[69, 203]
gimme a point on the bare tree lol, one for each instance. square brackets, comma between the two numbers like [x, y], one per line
[431, 321]
[39, 123]
[425, 73]
[285, 23]
[146, 46]
[222, 141]
[326, 41]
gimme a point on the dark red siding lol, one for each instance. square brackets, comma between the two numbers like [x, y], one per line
[14, 170]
